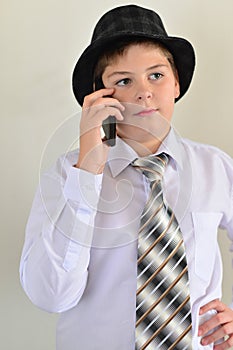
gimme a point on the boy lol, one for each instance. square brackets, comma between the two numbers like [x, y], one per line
[81, 247]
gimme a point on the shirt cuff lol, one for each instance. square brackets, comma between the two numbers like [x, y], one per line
[83, 187]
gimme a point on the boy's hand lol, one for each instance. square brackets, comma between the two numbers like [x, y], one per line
[223, 320]
[96, 108]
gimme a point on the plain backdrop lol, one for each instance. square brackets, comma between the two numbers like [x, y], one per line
[40, 43]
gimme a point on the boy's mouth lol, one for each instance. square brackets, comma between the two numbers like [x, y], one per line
[146, 112]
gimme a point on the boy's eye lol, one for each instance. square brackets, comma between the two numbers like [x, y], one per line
[123, 82]
[156, 76]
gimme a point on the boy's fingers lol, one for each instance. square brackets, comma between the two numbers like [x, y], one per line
[90, 99]
[212, 305]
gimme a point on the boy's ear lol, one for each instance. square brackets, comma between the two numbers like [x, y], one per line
[177, 89]
[177, 86]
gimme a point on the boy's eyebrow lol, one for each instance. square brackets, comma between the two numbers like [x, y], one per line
[118, 73]
[157, 66]
[127, 72]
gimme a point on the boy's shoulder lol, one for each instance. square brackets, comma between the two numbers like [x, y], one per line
[61, 166]
[70, 157]
[206, 152]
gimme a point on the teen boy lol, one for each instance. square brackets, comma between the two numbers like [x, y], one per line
[80, 252]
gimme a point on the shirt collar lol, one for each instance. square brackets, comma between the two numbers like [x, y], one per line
[122, 154]
[172, 146]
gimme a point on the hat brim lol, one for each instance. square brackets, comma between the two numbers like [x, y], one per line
[181, 49]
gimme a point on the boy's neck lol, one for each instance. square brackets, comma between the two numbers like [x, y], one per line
[145, 148]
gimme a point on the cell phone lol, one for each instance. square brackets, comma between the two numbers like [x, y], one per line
[109, 124]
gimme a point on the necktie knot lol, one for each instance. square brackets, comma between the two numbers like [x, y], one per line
[152, 166]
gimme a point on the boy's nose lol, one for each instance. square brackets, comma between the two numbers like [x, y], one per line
[144, 96]
[143, 92]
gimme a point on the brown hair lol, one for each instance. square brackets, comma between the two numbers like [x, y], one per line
[118, 49]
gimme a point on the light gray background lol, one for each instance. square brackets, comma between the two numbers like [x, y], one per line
[40, 42]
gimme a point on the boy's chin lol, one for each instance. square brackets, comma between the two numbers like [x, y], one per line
[144, 129]
[143, 135]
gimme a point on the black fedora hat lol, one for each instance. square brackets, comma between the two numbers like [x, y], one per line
[131, 21]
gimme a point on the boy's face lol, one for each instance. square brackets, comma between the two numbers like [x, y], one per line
[145, 83]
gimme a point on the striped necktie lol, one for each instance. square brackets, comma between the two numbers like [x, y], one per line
[163, 301]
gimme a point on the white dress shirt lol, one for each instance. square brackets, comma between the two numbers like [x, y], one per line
[80, 251]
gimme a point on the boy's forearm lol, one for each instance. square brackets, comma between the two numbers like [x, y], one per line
[55, 257]
[47, 282]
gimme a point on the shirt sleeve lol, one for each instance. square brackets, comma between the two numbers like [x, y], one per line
[227, 221]
[56, 252]
[229, 227]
